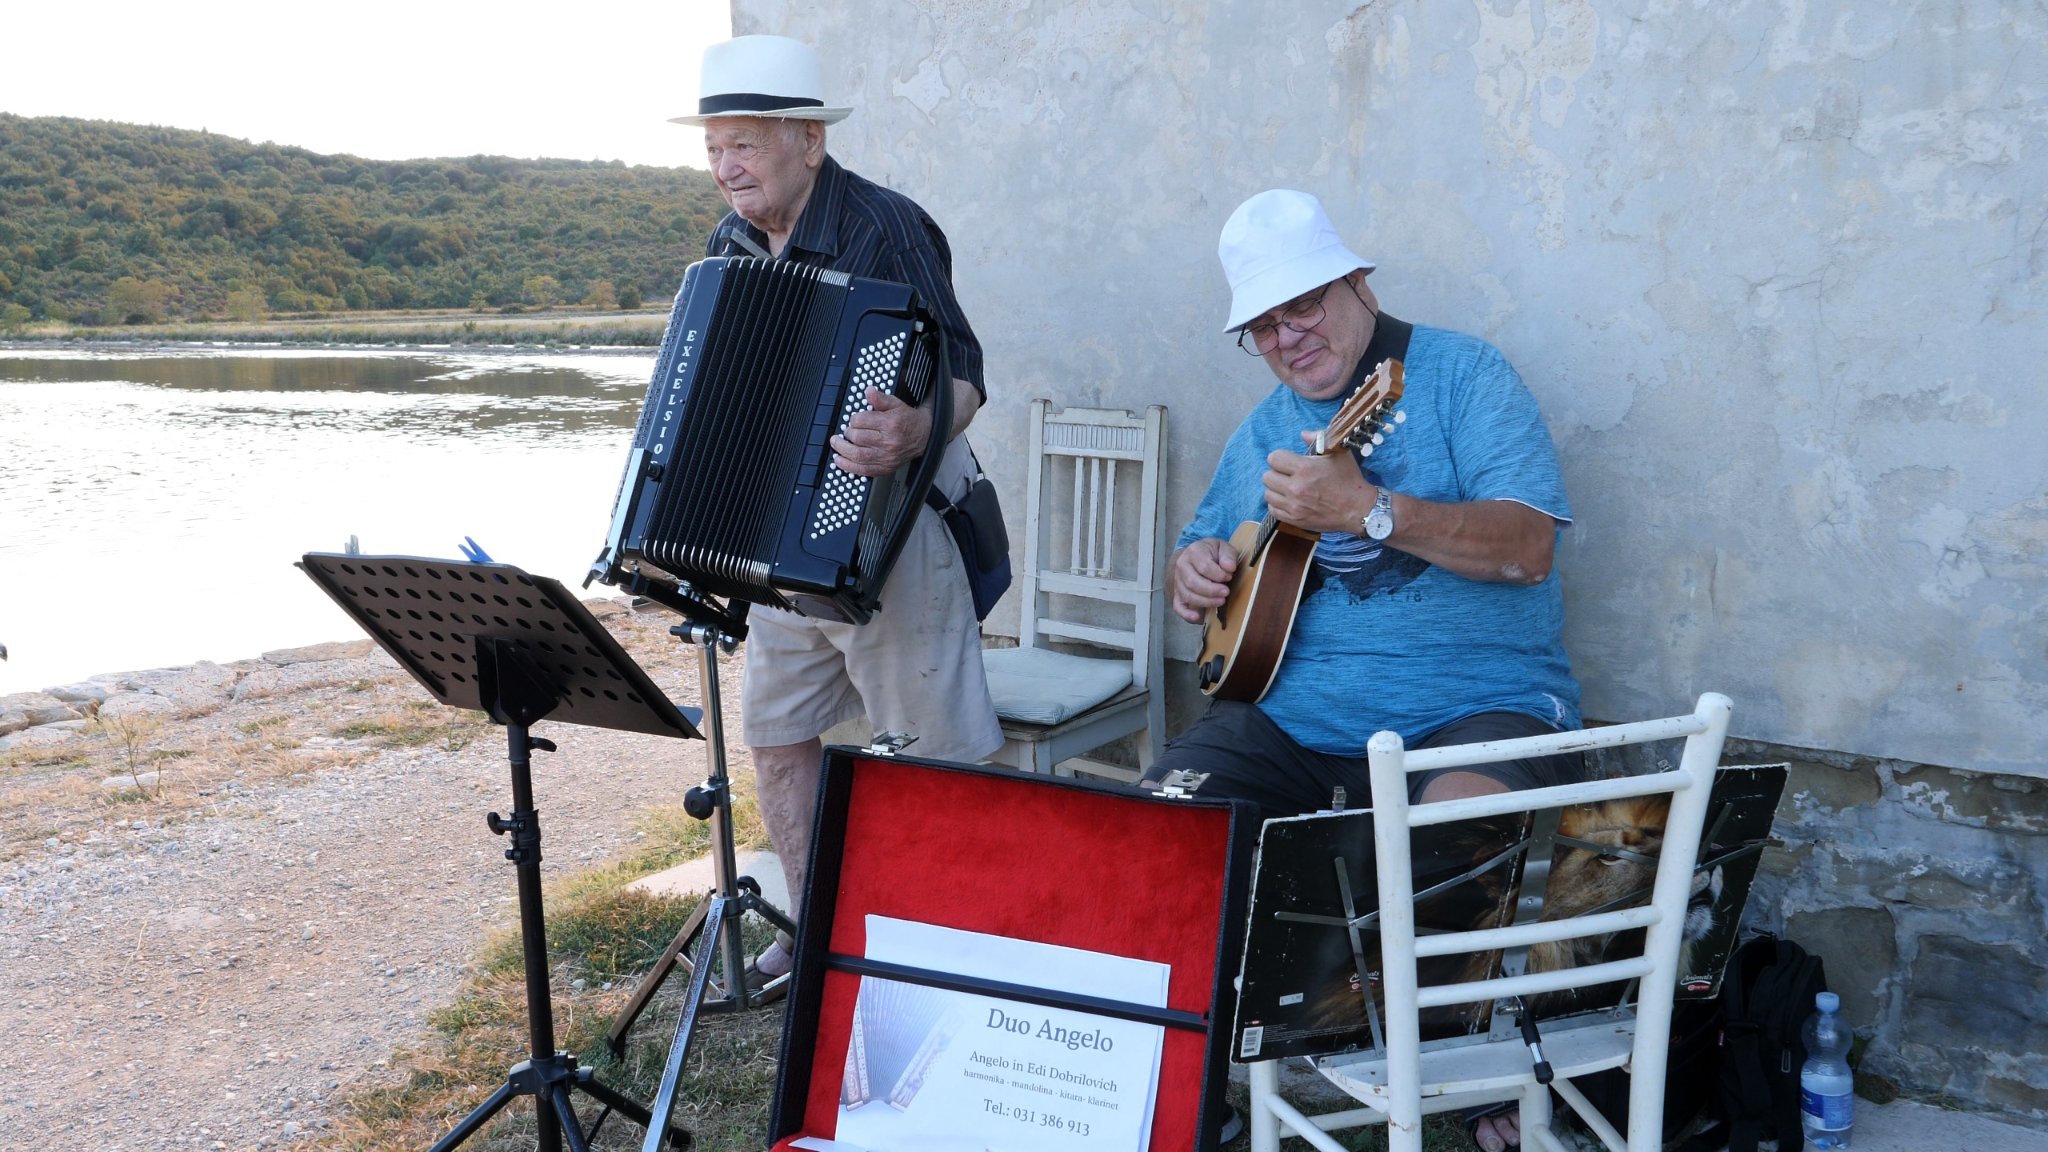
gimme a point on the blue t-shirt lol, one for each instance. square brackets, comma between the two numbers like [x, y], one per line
[1383, 639]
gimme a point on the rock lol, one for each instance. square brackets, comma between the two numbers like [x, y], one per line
[202, 687]
[313, 653]
[43, 736]
[85, 692]
[127, 782]
[30, 709]
[127, 704]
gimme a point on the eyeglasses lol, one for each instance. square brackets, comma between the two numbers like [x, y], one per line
[1301, 315]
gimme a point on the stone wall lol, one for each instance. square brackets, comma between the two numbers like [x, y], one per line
[1925, 889]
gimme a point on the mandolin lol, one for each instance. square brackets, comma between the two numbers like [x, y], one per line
[1244, 638]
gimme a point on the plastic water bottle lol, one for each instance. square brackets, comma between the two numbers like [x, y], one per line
[1827, 1089]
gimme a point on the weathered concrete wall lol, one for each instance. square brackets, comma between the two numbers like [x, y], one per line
[1774, 271]
[1772, 268]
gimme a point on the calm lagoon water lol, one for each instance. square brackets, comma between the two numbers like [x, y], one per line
[152, 503]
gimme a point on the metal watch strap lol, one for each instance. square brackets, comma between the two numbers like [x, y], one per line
[1382, 508]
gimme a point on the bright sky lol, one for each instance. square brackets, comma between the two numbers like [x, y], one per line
[379, 79]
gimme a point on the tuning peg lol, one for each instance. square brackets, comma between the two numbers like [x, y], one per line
[1378, 439]
[1401, 417]
[1365, 449]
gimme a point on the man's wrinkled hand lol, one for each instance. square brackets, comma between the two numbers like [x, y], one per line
[882, 439]
[1319, 493]
[1201, 577]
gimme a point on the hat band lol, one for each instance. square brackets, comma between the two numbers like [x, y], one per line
[752, 102]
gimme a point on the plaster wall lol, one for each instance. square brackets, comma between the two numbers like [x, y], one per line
[1773, 269]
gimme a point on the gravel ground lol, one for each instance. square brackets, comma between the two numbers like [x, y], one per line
[210, 967]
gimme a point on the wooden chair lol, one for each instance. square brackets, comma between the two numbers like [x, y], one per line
[1408, 1078]
[1093, 558]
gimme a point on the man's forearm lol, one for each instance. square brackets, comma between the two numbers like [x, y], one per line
[1498, 541]
[966, 402]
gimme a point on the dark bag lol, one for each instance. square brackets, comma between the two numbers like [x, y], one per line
[1734, 1061]
[977, 526]
[1767, 995]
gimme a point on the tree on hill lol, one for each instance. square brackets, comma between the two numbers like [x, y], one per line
[85, 205]
[132, 301]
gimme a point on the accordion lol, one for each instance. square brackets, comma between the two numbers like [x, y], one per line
[729, 489]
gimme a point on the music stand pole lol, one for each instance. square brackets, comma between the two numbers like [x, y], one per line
[547, 1075]
[715, 925]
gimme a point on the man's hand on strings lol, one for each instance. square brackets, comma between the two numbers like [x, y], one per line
[1319, 493]
[1200, 577]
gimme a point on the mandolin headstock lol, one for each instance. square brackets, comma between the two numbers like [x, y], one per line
[1368, 415]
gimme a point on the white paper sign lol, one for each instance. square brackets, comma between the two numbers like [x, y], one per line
[929, 1070]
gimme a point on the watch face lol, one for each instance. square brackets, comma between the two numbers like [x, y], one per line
[1379, 524]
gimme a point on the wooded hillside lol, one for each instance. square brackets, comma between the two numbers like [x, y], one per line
[105, 223]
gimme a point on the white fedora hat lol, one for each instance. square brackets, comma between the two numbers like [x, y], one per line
[1276, 246]
[761, 76]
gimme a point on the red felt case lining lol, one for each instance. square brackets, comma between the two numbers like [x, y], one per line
[1032, 857]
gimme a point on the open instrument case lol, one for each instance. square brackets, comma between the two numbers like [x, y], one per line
[1099, 867]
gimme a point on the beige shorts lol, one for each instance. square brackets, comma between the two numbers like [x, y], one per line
[915, 667]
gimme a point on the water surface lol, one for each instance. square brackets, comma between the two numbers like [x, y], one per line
[152, 504]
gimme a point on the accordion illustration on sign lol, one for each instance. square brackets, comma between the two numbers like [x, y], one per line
[899, 1031]
[729, 488]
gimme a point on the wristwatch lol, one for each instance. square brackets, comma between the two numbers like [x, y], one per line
[1379, 523]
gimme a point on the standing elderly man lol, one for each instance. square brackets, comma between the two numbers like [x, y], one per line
[916, 666]
[1431, 608]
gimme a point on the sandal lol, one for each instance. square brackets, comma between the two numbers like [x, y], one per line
[772, 987]
[1472, 1117]
[767, 989]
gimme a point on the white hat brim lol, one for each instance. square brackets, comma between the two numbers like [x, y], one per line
[822, 115]
[1267, 290]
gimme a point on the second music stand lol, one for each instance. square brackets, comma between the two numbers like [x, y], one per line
[714, 928]
[520, 648]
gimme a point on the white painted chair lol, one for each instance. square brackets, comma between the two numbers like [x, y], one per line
[1409, 1078]
[1093, 558]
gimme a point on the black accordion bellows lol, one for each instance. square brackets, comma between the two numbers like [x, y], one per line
[730, 488]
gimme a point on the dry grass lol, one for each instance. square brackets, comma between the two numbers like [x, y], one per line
[417, 723]
[59, 792]
[199, 755]
[604, 936]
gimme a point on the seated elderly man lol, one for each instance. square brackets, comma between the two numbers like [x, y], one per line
[916, 666]
[1431, 608]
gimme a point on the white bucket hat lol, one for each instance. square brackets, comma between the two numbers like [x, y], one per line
[1276, 246]
[761, 76]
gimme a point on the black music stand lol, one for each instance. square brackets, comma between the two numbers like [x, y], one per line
[521, 648]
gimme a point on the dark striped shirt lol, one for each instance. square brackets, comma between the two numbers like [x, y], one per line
[856, 226]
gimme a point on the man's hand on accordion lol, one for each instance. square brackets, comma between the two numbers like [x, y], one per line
[882, 439]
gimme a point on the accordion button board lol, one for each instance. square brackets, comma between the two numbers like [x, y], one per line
[730, 489]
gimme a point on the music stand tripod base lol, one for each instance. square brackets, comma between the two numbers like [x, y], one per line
[519, 648]
[714, 927]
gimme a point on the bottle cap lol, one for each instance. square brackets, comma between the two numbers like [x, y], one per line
[1827, 1002]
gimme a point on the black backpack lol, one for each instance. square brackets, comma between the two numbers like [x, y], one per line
[1765, 998]
[1733, 1068]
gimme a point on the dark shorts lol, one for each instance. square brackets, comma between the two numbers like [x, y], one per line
[1248, 757]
